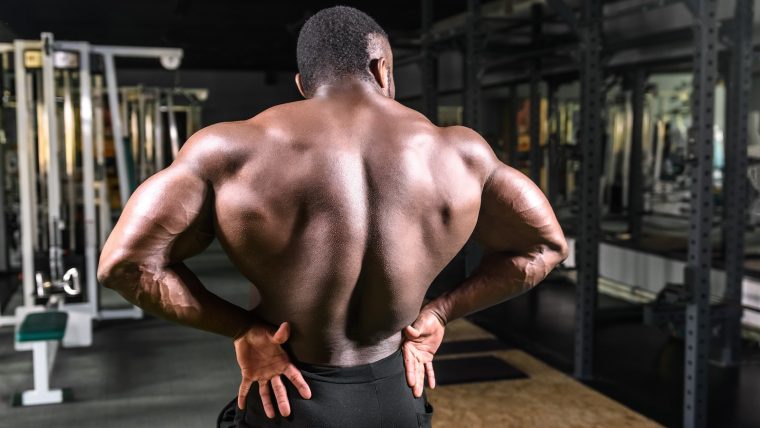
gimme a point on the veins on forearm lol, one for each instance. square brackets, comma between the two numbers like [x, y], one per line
[500, 277]
[156, 289]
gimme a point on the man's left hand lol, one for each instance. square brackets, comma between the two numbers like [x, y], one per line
[421, 341]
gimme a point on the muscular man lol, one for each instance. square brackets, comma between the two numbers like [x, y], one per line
[341, 209]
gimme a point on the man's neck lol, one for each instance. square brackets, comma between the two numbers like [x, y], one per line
[348, 88]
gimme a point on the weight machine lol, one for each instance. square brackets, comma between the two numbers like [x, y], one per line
[64, 167]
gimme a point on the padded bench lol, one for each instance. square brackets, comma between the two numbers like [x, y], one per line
[43, 331]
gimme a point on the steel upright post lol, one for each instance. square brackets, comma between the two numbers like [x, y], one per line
[535, 98]
[429, 65]
[514, 135]
[472, 90]
[700, 251]
[587, 249]
[636, 189]
[125, 175]
[735, 176]
[554, 170]
[25, 169]
[55, 221]
[88, 177]
[4, 239]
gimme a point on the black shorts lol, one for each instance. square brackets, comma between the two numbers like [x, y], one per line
[374, 395]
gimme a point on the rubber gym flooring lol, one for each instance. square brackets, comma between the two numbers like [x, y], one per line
[150, 372]
[638, 365]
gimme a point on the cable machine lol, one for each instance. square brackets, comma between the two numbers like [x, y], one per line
[61, 156]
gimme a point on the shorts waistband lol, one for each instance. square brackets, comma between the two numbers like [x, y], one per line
[392, 365]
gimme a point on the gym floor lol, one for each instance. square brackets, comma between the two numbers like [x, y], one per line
[148, 372]
[637, 365]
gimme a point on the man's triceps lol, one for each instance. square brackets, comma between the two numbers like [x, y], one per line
[142, 257]
[523, 242]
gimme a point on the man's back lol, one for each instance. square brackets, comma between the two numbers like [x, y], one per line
[341, 211]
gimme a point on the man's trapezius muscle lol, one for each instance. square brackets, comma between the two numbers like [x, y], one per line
[340, 209]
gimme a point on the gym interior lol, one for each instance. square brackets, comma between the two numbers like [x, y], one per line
[638, 119]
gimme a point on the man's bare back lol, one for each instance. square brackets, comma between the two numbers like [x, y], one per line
[342, 209]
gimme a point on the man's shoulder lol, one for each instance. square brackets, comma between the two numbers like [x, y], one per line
[471, 147]
[222, 148]
[243, 135]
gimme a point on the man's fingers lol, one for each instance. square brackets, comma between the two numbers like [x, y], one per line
[266, 399]
[430, 374]
[245, 387]
[281, 395]
[409, 366]
[296, 378]
[282, 334]
[419, 385]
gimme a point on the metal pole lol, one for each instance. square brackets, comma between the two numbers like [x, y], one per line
[142, 136]
[472, 90]
[69, 144]
[4, 239]
[39, 159]
[25, 171]
[587, 249]
[636, 188]
[88, 176]
[535, 99]
[54, 178]
[125, 188]
[429, 65]
[698, 265]
[158, 132]
[553, 163]
[735, 176]
[514, 134]
[104, 211]
[173, 135]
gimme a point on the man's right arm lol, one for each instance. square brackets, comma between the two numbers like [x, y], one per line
[522, 240]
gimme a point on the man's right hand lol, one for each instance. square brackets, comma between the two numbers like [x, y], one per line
[262, 359]
[421, 341]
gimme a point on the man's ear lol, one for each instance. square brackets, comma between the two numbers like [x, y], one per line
[299, 85]
[379, 69]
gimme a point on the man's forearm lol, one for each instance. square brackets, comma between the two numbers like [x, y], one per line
[176, 294]
[500, 277]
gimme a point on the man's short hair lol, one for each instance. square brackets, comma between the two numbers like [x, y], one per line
[335, 43]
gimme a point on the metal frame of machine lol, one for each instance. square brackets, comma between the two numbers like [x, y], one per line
[92, 150]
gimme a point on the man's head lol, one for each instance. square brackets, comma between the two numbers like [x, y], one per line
[341, 43]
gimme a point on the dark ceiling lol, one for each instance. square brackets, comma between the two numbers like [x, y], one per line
[225, 34]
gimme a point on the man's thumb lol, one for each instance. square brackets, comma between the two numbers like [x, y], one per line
[282, 334]
[411, 332]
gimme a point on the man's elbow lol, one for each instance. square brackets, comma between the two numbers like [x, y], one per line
[555, 251]
[115, 270]
[561, 249]
[107, 271]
